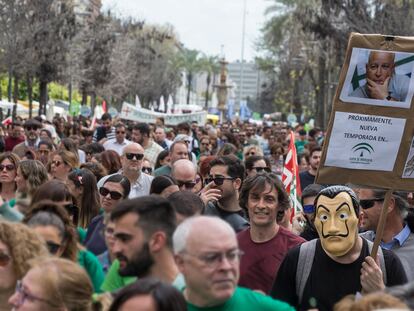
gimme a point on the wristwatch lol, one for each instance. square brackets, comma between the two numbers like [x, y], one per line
[388, 97]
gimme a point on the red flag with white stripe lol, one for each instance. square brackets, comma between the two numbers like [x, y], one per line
[7, 121]
[290, 175]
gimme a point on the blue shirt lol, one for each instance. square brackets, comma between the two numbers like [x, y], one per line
[400, 238]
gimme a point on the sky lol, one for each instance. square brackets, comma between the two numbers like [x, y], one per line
[205, 25]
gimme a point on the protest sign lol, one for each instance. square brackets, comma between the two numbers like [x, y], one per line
[130, 112]
[370, 134]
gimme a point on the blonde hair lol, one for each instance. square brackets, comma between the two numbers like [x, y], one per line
[24, 244]
[374, 301]
[69, 158]
[65, 283]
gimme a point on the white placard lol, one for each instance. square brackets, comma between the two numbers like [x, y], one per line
[408, 171]
[364, 142]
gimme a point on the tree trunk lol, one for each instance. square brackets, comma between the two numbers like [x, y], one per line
[70, 93]
[320, 91]
[9, 85]
[16, 89]
[84, 97]
[42, 97]
[189, 85]
[208, 89]
[30, 95]
[93, 101]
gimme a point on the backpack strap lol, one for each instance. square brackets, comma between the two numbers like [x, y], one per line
[305, 262]
[381, 259]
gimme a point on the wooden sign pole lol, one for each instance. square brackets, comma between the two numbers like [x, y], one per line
[381, 224]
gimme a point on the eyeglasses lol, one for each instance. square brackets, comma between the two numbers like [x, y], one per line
[261, 169]
[53, 247]
[120, 132]
[56, 163]
[186, 184]
[4, 259]
[368, 203]
[8, 167]
[113, 194]
[218, 181]
[147, 170]
[213, 260]
[138, 156]
[24, 295]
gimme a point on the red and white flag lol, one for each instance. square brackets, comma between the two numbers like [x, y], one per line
[7, 121]
[104, 108]
[290, 176]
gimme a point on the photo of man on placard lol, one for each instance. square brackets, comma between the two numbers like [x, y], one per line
[379, 78]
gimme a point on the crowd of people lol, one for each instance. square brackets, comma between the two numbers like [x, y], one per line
[134, 216]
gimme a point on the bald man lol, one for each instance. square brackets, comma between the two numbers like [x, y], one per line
[207, 254]
[381, 81]
[185, 173]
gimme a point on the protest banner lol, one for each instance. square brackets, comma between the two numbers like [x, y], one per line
[370, 136]
[133, 113]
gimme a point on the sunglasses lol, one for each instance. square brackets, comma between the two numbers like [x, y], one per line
[309, 209]
[8, 167]
[186, 184]
[147, 170]
[368, 203]
[138, 156]
[218, 181]
[113, 194]
[261, 169]
[52, 247]
[31, 128]
[56, 163]
[4, 259]
[250, 154]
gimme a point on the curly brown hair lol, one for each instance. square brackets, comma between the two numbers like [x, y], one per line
[30, 245]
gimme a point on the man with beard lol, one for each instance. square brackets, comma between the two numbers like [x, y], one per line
[226, 174]
[143, 239]
[141, 135]
[32, 130]
[308, 177]
[106, 131]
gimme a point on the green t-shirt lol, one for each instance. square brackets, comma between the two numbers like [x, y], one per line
[246, 300]
[91, 264]
[114, 281]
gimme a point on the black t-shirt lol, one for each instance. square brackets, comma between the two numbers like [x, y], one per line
[329, 281]
[236, 219]
[306, 179]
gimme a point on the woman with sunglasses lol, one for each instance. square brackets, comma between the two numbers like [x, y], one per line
[114, 189]
[63, 162]
[9, 163]
[251, 150]
[52, 222]
[16, 261]
[53, 284]
[257, 164]
[82, 185]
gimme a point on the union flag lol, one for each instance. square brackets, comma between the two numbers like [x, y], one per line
[290, 176]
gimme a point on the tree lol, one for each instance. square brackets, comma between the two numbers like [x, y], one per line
[210, 65]
[190, 61]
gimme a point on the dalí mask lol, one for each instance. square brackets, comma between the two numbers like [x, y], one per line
[336, 223]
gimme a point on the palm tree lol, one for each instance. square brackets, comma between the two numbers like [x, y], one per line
[211, 67]
[190, 61]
